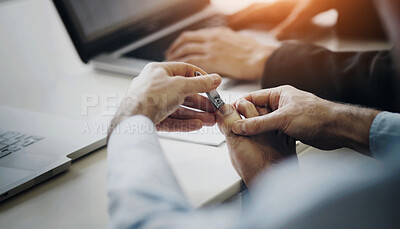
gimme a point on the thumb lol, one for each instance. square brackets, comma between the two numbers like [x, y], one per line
[260, 124]
[200, 84]
[226, 116]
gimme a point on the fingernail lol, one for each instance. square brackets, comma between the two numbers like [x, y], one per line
[227, 109]
[215, 79]
[239, 128]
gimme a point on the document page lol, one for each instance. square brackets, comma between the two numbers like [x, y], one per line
[207, 135]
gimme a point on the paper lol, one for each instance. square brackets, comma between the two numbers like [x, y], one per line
[207, 135]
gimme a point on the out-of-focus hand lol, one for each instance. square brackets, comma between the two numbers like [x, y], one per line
[289, 18]
[300, 19]
[314, 121]
[223, 51]
[251, 155]
[160, 90]
[269, 14]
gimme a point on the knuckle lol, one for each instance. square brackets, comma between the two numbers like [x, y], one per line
[255, 127]
[186, 35]
[153, 65]
[287, 87]
[178, 80]
[204, 83]
[185, 49]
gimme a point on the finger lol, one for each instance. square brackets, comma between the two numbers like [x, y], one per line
[268, 98]
[261, 124]
[226, 116]
[199, 84]
[186, 50]
[263, 111]
[181, 113]
[180, 69]
[187, 37]
[246, 108]
[199, 102]
[177, 125]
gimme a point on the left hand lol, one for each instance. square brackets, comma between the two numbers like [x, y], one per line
[317, 122]
[160, 90]
[223, 51]
[250, 155]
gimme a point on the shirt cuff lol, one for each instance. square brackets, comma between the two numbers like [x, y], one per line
[384, 135]
[135, 125]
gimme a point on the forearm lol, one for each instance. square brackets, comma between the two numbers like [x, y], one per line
[141, 185]
[142, 190]
[351, 125]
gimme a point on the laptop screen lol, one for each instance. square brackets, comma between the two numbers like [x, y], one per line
[97, 26]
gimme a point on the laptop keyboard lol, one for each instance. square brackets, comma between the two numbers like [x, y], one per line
[155, 50]
[11, 141]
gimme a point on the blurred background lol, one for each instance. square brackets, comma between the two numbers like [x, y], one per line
[230, 6]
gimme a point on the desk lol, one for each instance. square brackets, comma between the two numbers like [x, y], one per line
[40, 71]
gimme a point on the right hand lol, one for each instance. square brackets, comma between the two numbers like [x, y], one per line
[159, 92]
[312, 120]
[223, 51]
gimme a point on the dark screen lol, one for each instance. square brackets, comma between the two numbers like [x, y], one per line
[97, 26]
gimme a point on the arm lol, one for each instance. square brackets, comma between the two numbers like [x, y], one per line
[142, 189]
[312, 120]
[365, 78]
[331, 193]
[385, 136]
[141, 186]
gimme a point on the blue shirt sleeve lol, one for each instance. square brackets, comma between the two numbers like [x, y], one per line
[385, 136]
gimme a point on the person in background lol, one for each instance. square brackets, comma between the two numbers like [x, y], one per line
[363, 78]
[293, 18]
[144, 193]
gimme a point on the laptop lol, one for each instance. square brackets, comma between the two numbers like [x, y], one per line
[122, 36]
[36, 146]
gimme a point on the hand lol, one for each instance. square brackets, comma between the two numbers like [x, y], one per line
[160, 90]
[223, 51]
[289, 18]
[314, 121]
[251, 155]
[300, 19]
[269, 14]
